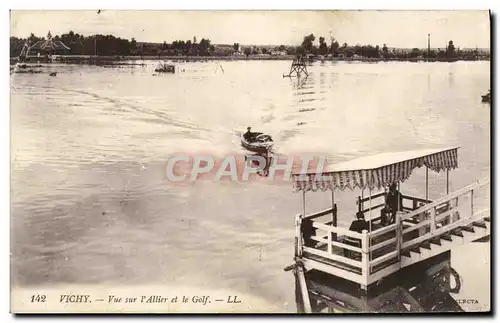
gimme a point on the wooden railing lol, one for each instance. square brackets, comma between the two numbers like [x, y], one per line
[415, 202]
[375, 199]
[440, 216]
[313, 216]
[378, 202]
[347, 249]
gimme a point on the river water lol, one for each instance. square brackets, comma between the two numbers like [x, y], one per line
[90, 202]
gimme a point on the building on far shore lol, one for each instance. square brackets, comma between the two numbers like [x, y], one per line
[48, 47]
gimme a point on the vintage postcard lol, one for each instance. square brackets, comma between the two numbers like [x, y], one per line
[250, 161]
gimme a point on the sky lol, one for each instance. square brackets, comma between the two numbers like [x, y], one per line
[403, 29]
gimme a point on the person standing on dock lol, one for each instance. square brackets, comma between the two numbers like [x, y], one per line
[308, 231]
[394, 202]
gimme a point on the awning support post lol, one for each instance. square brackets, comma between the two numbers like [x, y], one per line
[447, 181]
[361, 203]
[334, 216]
[334, 211]
[399, 200]
[304, 203]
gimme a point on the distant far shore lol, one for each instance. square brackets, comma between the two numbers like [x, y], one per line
[86, 59]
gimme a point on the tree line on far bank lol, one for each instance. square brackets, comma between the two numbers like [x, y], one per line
[109, 45]
[369, 51]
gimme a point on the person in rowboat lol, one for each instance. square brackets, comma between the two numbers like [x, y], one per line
[248, 135]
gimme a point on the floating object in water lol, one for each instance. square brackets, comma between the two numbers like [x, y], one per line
[307, 109]
[301, 123]
[53, 74]
[257, 142]
[163, 67]
[486, 97]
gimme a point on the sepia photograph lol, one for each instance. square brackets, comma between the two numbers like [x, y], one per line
[250, 161]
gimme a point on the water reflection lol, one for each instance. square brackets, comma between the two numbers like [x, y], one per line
[451, 78]
[428, 81]
[420, 289]
[322, 81]
[115, 131]
[299, 83]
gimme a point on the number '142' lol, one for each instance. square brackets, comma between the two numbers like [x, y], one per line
[38, 298]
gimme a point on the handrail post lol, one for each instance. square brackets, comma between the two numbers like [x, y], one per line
[359, 204]
[433, 219]
[330, 236]
[365, 261]
[399, 234]
[456, 215]
[334, 221]
[298, 235]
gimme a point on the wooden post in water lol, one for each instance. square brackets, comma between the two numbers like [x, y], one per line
[298, 293]
[303, 289]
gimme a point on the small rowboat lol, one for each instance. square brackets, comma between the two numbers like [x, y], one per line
[163, 67]
[261, 143]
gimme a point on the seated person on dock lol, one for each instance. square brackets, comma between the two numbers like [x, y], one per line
[393, 204]
[357, 225]
[360, 223]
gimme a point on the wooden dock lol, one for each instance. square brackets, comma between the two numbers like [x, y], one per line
[423, 230]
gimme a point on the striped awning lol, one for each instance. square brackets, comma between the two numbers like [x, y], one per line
[376, 171]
